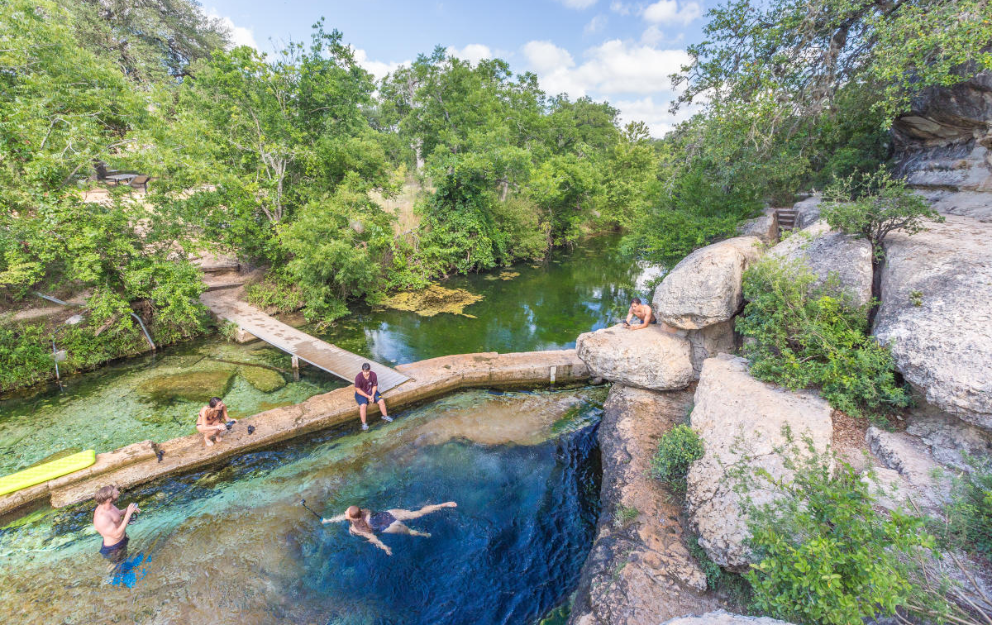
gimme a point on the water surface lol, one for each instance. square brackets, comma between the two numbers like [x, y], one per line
[233, 544]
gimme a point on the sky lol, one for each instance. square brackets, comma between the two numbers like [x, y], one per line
[613, 50]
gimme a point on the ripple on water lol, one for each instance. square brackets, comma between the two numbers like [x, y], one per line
[233, 544]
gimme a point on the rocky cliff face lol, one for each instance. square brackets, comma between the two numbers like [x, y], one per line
[943, 146]
[639, 569]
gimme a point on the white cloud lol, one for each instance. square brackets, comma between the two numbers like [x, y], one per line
[595, 25]
[240, 36]
[653, 36]
[655, 114]
[377, 68]
[578, 5]
[473, 52]
[545, 57]
[621, 8]
[613, 67]
[669, 12]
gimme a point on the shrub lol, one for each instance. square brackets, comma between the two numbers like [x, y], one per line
[875, 204]
[804, 337]
[969, 516]
[677, 449]
[825, 555]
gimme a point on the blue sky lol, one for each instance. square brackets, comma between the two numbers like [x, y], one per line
[609, 50]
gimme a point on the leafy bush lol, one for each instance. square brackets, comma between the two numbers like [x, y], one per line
[825, 555]
[677, 449]
[875, 204]
[275, 294]
[969, 516]
[804, 337]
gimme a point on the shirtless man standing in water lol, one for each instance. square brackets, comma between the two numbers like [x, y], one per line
[111, 523]
[367, 524]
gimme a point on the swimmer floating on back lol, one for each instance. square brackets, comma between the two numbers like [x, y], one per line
[367, 524]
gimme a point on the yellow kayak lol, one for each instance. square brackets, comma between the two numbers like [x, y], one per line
[47, 471]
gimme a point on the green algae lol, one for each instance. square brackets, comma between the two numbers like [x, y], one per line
[190, 386]
[503, 275]
[262, 379]
[433, 300]
[56, 456]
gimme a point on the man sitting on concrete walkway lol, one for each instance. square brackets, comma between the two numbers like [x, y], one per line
[367, 388]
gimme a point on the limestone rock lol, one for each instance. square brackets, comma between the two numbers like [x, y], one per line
[705, 287]
[718, 338]
[808, 211]
[909, 457]
[948, 438]
[739, 417]
[764, 227]
[650, 358]
[936, 314]
[826, 252]
[639, 569]
[942, 116]
[974, 204]
[720, 617]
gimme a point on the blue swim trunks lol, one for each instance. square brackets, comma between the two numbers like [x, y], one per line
[114, 551]
[362, 399]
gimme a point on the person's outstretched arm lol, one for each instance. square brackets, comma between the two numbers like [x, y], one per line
[335, 519]
[372, 538]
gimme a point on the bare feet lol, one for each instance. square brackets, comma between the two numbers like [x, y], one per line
[449, 504]
[208, 442]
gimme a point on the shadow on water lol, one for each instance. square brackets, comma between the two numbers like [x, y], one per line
[233, 544]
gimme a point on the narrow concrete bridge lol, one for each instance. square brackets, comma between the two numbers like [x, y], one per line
[299, 345]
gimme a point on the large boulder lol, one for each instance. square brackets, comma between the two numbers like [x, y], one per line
[764, 227]
[718, 338]
[828, 253]
[721, 617]
[936, 314]
[705, 287]
[741, 421]
[909, 458]
[650, 358]
[639, 569]
[808, 211]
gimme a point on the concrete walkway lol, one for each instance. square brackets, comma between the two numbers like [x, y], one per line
[429, 379]
[330, 358]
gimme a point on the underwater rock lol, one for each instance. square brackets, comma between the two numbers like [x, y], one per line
[433, 300]
[197, 386]
[262, 379]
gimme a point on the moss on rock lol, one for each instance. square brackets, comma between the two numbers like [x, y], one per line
[198, 386]
[433, 300]
[263, 379]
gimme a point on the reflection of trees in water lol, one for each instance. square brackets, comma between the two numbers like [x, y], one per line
[547, 307]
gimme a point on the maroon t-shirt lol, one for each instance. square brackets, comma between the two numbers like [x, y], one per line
[366, 385]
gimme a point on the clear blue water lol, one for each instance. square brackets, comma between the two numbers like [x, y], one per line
[233, 544]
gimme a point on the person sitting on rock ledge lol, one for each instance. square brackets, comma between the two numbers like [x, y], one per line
[212, 421]
[366, 389]
[367, 524]
[642, 312]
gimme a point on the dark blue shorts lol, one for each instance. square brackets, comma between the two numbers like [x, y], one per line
[362, 399]
[112, 551]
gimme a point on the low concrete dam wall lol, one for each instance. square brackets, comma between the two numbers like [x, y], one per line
[430, 379]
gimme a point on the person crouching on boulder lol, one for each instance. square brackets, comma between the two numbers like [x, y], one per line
[642, 312]
[212, 421]
[367, 389]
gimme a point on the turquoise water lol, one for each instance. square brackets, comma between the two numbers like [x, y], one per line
[233, 544]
